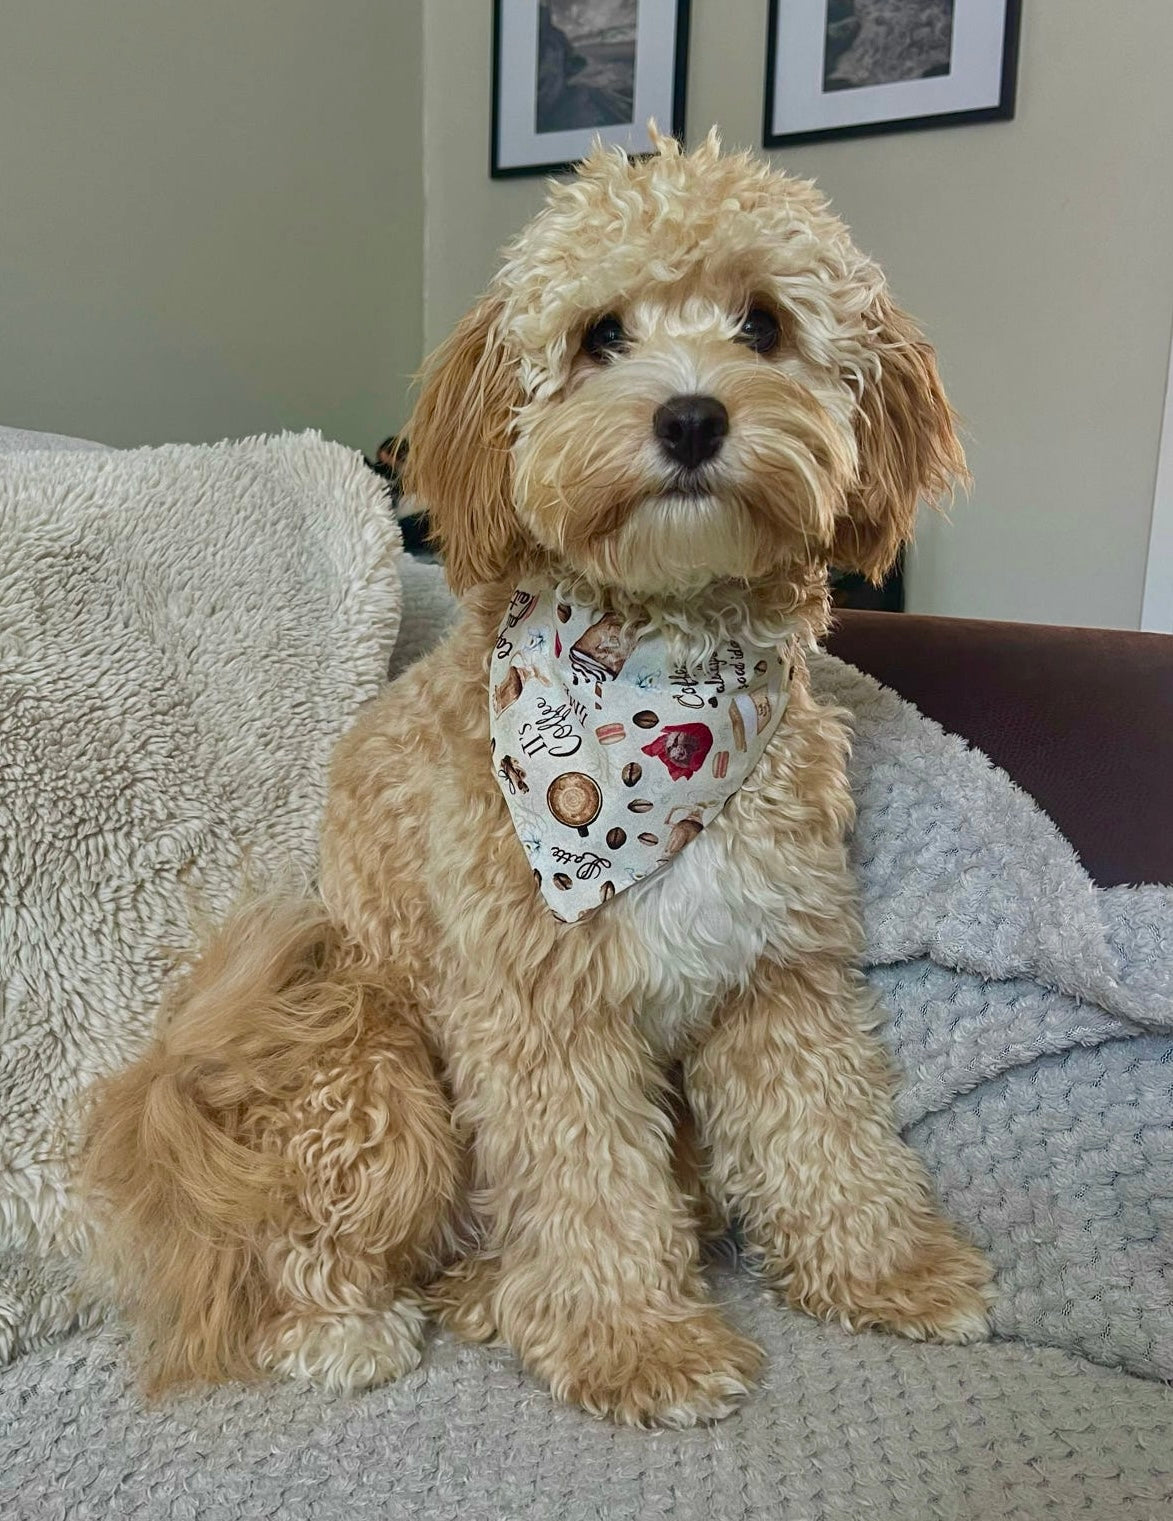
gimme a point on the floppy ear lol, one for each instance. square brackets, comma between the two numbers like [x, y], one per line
[458, 463]
[908, 449]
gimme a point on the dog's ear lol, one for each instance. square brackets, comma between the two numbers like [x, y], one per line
[908, 449]
[458, 465]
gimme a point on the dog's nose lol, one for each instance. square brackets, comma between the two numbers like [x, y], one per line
[691, 429]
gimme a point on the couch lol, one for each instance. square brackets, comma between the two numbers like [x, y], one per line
[844, 1427]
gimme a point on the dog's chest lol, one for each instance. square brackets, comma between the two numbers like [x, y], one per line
[700, 927]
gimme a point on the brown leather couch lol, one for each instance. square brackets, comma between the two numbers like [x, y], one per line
[1082, 719]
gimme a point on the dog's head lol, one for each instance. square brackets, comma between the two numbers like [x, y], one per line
[685, 372]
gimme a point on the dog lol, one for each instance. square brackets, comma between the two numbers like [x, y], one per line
[465, 1084]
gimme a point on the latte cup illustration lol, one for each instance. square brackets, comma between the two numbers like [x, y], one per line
[601, 653]
[749, 713]
[575, 800]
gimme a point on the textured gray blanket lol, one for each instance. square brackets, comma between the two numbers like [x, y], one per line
[845, 1428]
[1032, 1017]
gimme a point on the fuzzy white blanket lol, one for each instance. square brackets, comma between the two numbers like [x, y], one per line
[184, 632]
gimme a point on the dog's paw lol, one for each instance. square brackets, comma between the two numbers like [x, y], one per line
[939, 1292]
[654, 1372]
[345, 1352]
[461, 1299]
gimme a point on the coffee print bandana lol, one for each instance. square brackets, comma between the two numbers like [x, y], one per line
[611, 757]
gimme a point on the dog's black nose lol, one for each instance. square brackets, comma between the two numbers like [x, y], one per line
[691, 428]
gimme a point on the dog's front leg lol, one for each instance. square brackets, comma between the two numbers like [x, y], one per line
[592, 1274]
[792, 1096]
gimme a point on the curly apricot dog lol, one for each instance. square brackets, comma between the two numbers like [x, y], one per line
[453, 1084]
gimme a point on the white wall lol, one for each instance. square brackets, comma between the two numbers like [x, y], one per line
[1038, 253]
[210, 216]
[1157, 610]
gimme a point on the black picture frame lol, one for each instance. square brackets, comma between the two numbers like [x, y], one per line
[1002, 111]
[498, 171]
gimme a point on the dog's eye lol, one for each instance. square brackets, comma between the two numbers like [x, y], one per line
[760, 330]
[606, 336]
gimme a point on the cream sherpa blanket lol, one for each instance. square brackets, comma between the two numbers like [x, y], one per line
[184, 632]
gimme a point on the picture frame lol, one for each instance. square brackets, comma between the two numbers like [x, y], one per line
[833, 71]
[566, 72]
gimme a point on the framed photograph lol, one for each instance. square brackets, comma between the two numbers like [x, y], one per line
[849, 68]
[568, 71]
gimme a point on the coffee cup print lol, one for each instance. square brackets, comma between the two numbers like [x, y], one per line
[601, 653]
[575, 800]
[506, 693]
[749, 713]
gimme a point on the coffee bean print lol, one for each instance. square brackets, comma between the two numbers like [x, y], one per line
[760, 668]
[561, 880]
[632, 773]
[616, 838]
[537, 879]
[640, 805]
[607, 891]
[645, 719]
[563, 612]
[649, 839]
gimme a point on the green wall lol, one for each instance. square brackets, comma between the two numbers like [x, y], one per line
[210, 216]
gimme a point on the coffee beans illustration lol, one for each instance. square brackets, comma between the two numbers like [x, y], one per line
[561, 880]
[616, 838]
[607, 891]
[563, 611]
[640, 805]
[648, 839]
[645, 719]
[632, 773]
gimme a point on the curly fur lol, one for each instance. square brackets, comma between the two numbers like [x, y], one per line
[286, 1167]
[279, 1164]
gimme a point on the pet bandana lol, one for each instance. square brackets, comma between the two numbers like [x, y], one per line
[611, 757]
